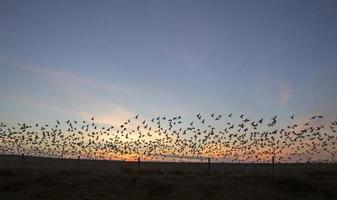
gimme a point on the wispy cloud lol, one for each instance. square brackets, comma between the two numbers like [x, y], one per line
[65, 78]
[285, 92]
[82, 99]
[111, 115]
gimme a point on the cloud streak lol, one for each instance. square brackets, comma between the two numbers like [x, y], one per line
[112, 115]
[66, 78]
[285, 92]
[82, 99]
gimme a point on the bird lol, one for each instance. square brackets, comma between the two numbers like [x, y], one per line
[244, 139]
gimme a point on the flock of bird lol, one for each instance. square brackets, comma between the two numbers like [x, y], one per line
[220, 137]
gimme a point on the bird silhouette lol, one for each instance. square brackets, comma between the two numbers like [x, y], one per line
[162, 137]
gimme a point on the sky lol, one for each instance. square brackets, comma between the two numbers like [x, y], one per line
[113, 59]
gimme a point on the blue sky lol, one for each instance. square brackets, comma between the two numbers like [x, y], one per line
[112, 59]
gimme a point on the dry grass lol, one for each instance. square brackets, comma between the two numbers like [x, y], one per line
[172, 181]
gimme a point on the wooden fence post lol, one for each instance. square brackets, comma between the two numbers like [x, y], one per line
[78, 162]
[138, 164]
[22, 159]
[209, 165]
[63, 150]
[273, 163]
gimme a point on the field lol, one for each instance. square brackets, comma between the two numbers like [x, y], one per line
[46, 178]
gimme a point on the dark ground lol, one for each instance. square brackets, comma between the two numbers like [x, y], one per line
[41, 178]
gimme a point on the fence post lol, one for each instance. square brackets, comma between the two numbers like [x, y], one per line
[22, 159]
[273, 163]
[138, 164]
[209, 165]
[78, 162]
[63, 150]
